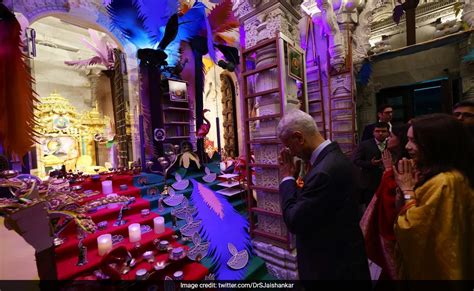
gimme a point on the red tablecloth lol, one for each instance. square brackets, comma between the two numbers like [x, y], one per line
[67, 253]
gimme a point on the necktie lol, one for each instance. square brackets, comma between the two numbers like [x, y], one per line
[381, 146]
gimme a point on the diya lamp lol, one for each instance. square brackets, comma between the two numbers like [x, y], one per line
[178, 275]
[141, 274]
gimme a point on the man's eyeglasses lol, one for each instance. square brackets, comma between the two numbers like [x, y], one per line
[463, 114]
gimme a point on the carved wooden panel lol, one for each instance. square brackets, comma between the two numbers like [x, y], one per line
[120, 109]
[229, 115]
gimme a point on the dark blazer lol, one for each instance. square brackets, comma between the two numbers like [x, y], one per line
[368, 132]
[323, 216]
[370, 175]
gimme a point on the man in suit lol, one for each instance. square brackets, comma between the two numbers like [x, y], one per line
[384, 114]
[368, 157]
[322, 214]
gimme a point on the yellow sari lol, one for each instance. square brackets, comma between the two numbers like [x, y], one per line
[435, 237]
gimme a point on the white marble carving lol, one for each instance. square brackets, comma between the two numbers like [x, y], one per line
[330, 28]
[361, 35]
[468, 12]
[281, 273]
[268, 178]
[276, 251]
[268, 201]
[266, 154]
[272, 225]
[341, 85]
[446, 28]
[277, 261]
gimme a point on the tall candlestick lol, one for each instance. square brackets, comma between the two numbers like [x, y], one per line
[107, 187]
[104, 244]
[134, 233]
[159, 223]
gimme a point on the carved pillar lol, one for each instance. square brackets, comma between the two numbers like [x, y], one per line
[262, 20]
[229, 122]
[93, 77]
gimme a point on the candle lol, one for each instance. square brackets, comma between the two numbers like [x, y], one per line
[134, 233]
[104, 244]
[159, 223]
[107, 187]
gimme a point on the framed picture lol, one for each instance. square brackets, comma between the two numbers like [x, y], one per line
[295, 63]
[178, 90]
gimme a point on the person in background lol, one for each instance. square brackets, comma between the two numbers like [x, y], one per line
[379, 218]
[435, 227]
[464, 111]
[368, 157]
[384, 114]
[323, 213]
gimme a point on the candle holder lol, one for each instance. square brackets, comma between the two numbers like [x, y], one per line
[166, 163]
[82, 257]
[120, 221]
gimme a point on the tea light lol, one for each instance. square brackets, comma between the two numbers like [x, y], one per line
[145, 212]
[178, 275]
[107, 187]
[159, 223]
[149, 256]
[134, 233]
[164, 245]
[104, 244]
[176, 253]
[141, 274]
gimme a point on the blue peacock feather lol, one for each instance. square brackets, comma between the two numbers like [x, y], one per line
[127, 18]
[142, 23]
[221, 224]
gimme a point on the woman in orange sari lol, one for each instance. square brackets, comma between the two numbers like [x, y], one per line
[435, 228]
[377, 222]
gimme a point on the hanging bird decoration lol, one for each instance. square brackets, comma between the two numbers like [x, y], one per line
[205, 127]
[17, 97]
[221, 225]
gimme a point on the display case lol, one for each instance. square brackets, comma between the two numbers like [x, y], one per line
[273, 81]
[175, 116]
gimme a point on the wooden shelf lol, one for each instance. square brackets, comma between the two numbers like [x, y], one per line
[176, 109]
[176, 123]
[262, 93]
[176, 137]
[270, 116]
[259, 46]
[346, 97]
[264, 141]
[264, 211]
[270, 236]
[271, 190]
[259, 70]
[313, 91]
[265, 166]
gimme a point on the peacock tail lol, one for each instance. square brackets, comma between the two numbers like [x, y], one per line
[221, 224]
